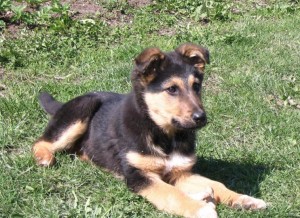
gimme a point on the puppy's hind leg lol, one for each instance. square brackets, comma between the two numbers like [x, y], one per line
[67, 125]
[45, 148]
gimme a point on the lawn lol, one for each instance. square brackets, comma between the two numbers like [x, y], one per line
[251, 95]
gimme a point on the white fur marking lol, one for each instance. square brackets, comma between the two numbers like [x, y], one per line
[208, 211]
[251, 203]
[206, 194]
[177, 160]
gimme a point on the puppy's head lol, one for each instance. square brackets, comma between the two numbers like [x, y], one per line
[170, 86]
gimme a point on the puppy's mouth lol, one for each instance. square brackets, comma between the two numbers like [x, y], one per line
[188, 124]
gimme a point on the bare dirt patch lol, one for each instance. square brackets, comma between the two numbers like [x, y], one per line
[83, 8]
[117, 18]
[139, 3]
[78, 10]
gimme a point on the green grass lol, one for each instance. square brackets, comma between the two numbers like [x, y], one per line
[252, 141]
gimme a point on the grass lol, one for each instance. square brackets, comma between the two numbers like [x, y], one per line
[252, 96]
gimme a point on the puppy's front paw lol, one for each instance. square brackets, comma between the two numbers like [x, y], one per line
[249, 203]
[207, 211]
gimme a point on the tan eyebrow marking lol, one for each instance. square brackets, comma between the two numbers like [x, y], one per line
[174, 81]
[192, 79]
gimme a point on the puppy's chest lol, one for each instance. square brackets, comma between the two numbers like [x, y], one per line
[177, 162]
[172, 163]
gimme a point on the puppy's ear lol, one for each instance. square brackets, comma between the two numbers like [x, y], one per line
[148, 62]
[195, 55]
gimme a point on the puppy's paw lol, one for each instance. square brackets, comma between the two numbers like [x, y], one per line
[207, 211]
[43, 157]
[206, 195]
[46, 162]
[249, 203]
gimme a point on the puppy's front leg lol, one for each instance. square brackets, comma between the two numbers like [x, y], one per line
[142, 175]
[195, 184]
[168, 198]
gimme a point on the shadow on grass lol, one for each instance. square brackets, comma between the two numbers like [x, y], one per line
[238, 176]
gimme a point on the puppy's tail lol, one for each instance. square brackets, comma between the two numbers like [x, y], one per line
[49, 104]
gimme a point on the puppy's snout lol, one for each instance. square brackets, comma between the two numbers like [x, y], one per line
[199, 117]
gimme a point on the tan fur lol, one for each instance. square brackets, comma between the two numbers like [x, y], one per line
[166, 197]
[44, 151]
[84, 157]
[173, 186]
[146, 163]
[163, 107]
[191, 183]
[190, 50]
[167, 167]
[200, 66]
[148, 55]
[167, 179]
[192, 79]
[146, 80]
[69, 136]
[174, 81]
[144, 60]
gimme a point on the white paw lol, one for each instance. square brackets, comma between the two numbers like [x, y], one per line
[208, 211]
[206, 194]
[249, 203]
[45, 162]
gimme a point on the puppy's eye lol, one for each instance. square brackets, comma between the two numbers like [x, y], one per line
[173, 90]
[196, 87]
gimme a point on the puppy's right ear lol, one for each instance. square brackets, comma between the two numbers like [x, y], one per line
[147, 64]
[195, 55]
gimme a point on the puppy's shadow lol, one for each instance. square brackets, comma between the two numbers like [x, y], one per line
[238, 176]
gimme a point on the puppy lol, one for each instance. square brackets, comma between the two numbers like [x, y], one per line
[147, 136]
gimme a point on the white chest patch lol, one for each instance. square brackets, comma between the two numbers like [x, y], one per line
[178, 161]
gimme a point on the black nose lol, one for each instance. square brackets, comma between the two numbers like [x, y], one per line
[199, 117]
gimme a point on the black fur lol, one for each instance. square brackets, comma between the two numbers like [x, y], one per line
[49, 104]
[119, 123]
[151, 146]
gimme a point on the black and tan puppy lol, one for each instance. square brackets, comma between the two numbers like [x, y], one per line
[146, 136]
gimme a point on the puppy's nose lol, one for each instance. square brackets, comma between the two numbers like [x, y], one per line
[199, 117]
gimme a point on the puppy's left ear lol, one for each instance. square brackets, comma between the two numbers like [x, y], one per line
[147, 64]
[195, 55]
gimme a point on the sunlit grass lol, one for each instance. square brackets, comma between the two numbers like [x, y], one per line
[251, 142]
